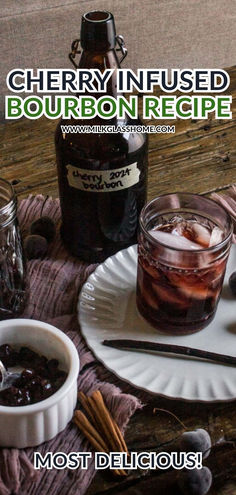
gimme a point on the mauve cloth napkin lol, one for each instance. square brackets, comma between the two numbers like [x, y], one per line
[54, 284]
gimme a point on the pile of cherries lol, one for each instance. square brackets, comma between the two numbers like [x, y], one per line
[39, 379]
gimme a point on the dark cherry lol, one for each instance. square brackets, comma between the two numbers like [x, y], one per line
[27, 397]
[8, 355]
[232, 283]
[27, 374]
[47, 388]
[52, 366]
[26, 355]
[35, 246]
[25, 377]
[45, 227]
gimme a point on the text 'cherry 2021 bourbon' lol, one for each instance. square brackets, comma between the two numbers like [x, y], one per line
[102, 176]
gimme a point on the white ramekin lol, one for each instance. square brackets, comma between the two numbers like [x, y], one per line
[28, 426]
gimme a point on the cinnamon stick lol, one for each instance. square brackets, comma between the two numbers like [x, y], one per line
[95, 440]
[106, 421]
[89, 409]
[86, 405]
[90, 432]
[103, 431]
[106, 431]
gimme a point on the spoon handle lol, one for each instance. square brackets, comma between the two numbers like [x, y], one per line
[3, 373]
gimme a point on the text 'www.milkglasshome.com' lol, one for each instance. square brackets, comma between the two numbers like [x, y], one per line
[112, 129]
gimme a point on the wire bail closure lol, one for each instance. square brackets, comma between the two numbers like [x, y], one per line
[74, 51]
[76, 44]
[122, 48]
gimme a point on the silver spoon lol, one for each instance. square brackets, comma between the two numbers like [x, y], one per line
[7, 378]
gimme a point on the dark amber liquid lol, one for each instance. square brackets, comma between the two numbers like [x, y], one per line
[98, 224]
[178, 300]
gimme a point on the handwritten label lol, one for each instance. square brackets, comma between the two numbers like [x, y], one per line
[103, 180]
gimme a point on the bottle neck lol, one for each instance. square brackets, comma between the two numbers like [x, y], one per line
[102, 60]
[98, 32]
[98, 41]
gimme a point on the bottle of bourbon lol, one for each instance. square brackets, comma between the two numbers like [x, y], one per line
[102, 176]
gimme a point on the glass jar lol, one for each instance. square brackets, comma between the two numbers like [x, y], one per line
[12, 269]
[183, 248]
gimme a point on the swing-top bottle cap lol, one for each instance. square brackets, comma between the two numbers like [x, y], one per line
[98, 31]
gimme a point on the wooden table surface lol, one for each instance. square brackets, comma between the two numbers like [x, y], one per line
[200, 157]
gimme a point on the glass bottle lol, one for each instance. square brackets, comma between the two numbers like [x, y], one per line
[95, 223]
[12, 271]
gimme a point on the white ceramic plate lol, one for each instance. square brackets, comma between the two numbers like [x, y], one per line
[107, 310]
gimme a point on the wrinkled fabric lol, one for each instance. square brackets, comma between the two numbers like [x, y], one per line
[54, 284]
[53, 287]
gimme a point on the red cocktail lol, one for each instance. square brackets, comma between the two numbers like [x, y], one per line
[182, 254]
